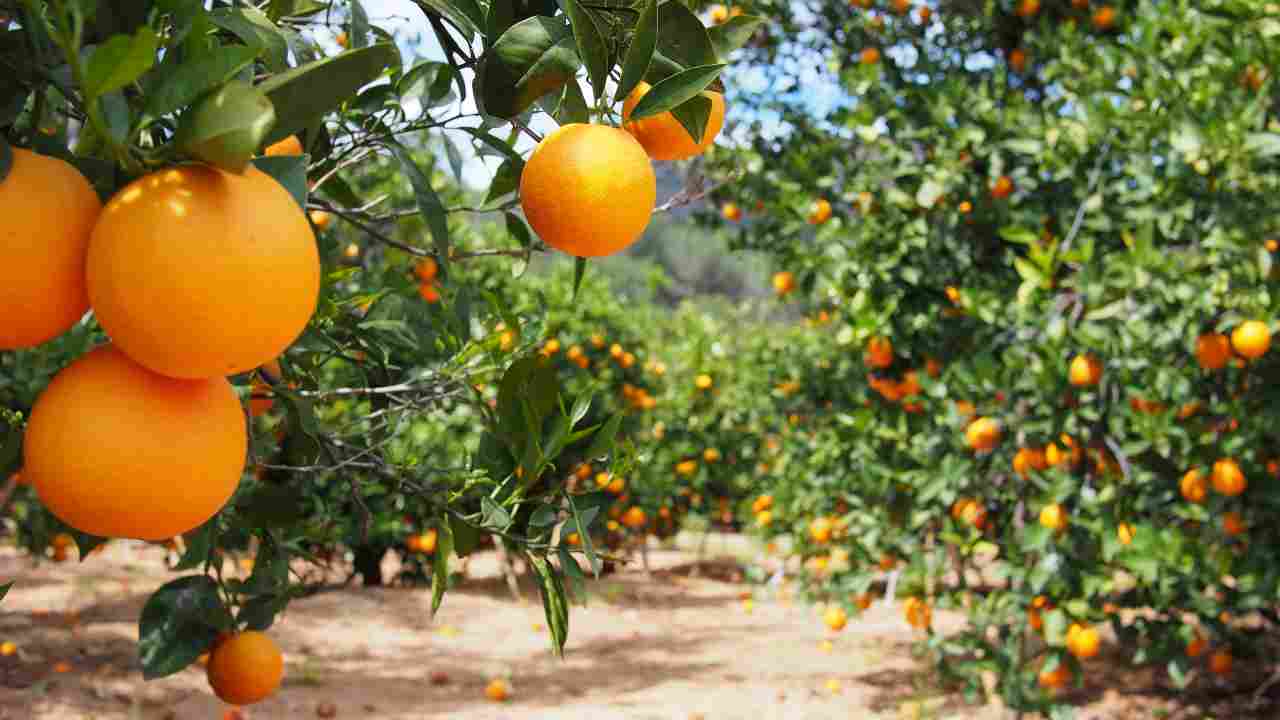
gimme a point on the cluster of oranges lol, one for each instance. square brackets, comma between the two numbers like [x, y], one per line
[239, 287]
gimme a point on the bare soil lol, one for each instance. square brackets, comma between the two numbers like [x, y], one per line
[666, 646]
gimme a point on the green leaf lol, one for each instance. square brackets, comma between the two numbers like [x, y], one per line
[569, 566]
[179, 622]
[579, 272]
[518, 230]
[602, 444]
[544, 516]
[270, 568]
[493, 515]
[289, 171]
[428, 81]
[440, 564]
[86, 543]
[199, 542]
[428, 204]
[227, 128]
[306, 93]
[693, 116]
[675, 90]
[464, 14]
[571, 105]
[505, 13]
[682, 38]
[180, 85]
[4, 589]
[528, 384]
[1263, 144]
[591, 45]
[733, 33]
[587, 546]
[506, 180]
[532, 58]
[357, 26]
[554, 602]
[10, 448]
[466, 537]
[270, 506]
[259, 612]
[120, 61]
[640, 54]
[256, 30]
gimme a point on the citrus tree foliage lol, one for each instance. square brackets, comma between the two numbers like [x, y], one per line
[418, 410]
[1039, 214]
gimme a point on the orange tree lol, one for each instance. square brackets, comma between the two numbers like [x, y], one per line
[271, 381]
[1048, 230]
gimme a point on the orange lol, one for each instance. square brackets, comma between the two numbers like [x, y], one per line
[1056, 678]
[1197, 646]
[784, 282]
[925, 13]
[1125, 532]
[835, 618]
[1104, 17]
[8, 648]
[1213, 350]
[1251, 339]
[870, 56]
[918, 613]
[195, 272]
[245, 668]
[49, 211]
[1085, 370]
[1232, 523]
[711, 455]
[1192, 486]
[1018, 60]
[116, 450]
[902, 7]
[702, 382]
[1082, 641]
[288, 146]
[429, 292]
[731, 212]
[426, 269]
[819, 211]
[662, 135]
[427, 541]
[588, 190]
[1028, 459]
[686, 467]
[634, 518]
[764, 518]
[762, 503]
[820, 529]
[1002, 188]
[1054, 517]
[719, 14]
[983, 434]
[879, 352]
[1228, 479]
[1220, 662]
[320, 219]
[1027, 8]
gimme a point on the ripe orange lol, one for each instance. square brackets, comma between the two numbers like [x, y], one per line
[879, 352]
[835, 618]
[1085, 370]
[1220, 662]
[925, 13]
[8, 648]
[1251, 339]
[1018, 60]
[1056, 678]
[1054, 517]
[427, 541]
[918, 613]
[429, 292]
[1082, 641]
[719, 14]
[195, 272]
[1228, 479]
[686, 467]
[983, 434]
[1002, 188]
[869, 56]
[702, 382]
[711, 455]
[321, 219]
[634, 518]
[820, 529]
[1125, 532]
[731, 212]
[819, 212]
[288, 146]
[784, 282]
[245, 668]
[902, 7]
[426, 269]
[49, 211]
[1104, 17]
[1027, 8]
[116, 450]
[1197, 646]
[662, 135]
[1192, 486]
[588, 190]
[1232, 523]
[1028, 459]
[1213, 350]
[341, 39]
[762, 503]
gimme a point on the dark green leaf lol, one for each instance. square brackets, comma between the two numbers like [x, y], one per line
[227, 128]
[592, 49]
[640, 55]
[553, 602]
[505, 13]
[587, 546]
[464, 14]
[693, 116]
[493, 515]
[527, 394]
[505, 181]
[6, 158]
[683, 38]
[255, 29]
[120, 61]
[518, 230]
[428, 204]
[259, 612]
[733, 33]
[544, 516]
[357, 26]
[675, 90]
[178, 624]
[289, 171]
[569, 566]
[532, 58]
[180, 85]
[602, 444]
[270, 506]
[466, 538]
[199, 542]
[579, 272]
[4, 589]
[440, 564]
[270, 568]
[572, 105]
[428, 81]
[304, 94]
[10, 448]
[86, 543]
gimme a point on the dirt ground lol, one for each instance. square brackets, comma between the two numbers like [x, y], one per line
[668, 647]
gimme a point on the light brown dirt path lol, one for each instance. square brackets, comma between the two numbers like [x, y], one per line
[670, 647]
